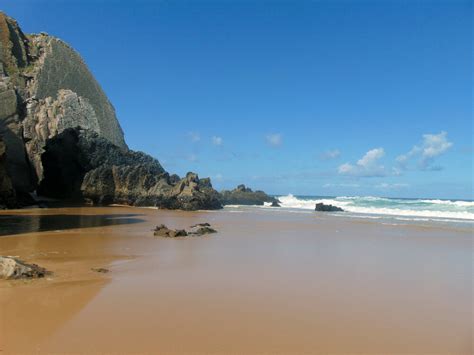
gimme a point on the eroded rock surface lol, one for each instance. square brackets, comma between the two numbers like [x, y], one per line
[197, 230]
[201, 229]
[243, 195]
[79, 164]
[13, 268]
[45, 87]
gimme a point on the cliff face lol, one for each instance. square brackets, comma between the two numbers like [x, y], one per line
[45, 87]
[45, 90]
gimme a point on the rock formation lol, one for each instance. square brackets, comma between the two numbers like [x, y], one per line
[47, 93]
[13, 268]
[197, 230]
[243, 195]
[321, 207]
[79, 164]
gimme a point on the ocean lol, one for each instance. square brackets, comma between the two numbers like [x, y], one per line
[458, 211]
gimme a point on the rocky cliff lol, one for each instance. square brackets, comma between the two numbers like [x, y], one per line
[46, 89]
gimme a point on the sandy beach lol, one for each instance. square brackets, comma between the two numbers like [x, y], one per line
[267, 283]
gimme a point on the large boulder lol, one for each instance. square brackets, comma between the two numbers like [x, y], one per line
[79, 164]
[243, 195]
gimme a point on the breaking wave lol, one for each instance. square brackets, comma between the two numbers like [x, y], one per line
[451, 209]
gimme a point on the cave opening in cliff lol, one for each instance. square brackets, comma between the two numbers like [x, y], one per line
[63, 168]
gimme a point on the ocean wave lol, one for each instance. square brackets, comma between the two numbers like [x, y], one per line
[371, 205]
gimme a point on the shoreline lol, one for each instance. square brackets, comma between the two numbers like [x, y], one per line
[265, 283]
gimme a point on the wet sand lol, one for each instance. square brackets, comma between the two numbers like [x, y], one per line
[267, 283]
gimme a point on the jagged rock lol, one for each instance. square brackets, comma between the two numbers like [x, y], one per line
[48, 117]
[80, 164]
[201, 229]
[12, 268]
[243, 195]
[163, 231]
[197, 230]
[275, 204]
[321, 207]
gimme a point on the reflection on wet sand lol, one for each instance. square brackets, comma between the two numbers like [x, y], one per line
[26, 223]
[67, 241]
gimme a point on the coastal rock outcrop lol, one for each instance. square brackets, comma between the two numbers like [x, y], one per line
[196, 230]
[13, 268]
[243, 195]
[79, 164]
[62, 136]
[321, 207]
[45, 87]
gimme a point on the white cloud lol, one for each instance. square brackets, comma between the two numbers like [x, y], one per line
[432, 146]
[367, 166]
[330, 154]
[274, 139]
[217, 140]
[194, 136]
[218, 177]
[371, 157]
[329, 185]
[387, 186]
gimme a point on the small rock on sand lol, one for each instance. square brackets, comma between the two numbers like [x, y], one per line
[100, 269]
[196, 230]
[13, 268]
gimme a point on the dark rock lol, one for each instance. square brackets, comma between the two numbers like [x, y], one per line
[195, 231]
[163, 231]
[100, 270]
[12, 268]
[7, 193]
[79, 164]
[243, 195]
[275, 204]
[201, 229]
[321, 207]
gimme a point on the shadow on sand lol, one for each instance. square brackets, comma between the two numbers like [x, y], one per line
[18, 224]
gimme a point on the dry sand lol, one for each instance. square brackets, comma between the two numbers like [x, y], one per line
[267, 283]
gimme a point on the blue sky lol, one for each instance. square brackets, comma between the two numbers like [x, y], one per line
[303, 97]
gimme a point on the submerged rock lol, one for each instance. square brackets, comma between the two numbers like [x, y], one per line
[243, 195]
[12, 268]
[321, 207]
